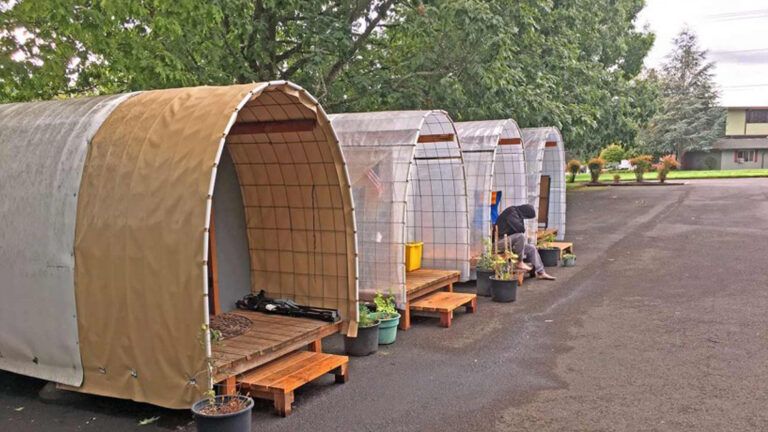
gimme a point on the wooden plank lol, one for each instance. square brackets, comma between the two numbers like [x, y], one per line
[510, 141]
[281, 320]
[424, 281]
[282, 126]
[312, 371]
[442, 302]
[213, 295]
[550, 144]
[262, 374]
[274, 352]
[436, 138]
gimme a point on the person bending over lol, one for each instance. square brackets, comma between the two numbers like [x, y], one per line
[511, 223]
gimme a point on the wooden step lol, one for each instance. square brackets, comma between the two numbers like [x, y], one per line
[278, 379]
[445, 303]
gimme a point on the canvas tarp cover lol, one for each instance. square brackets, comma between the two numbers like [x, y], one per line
[546, 160]
[404, 191]
[494, 161]
[141, 239]
[43, 147]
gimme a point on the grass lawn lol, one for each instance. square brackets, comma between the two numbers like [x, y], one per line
[630, 176]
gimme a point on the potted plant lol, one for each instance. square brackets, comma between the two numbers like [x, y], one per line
[595, 166]
[503, 281]
[569, 260]
[388, 316]
[226, 413]
[484, 269]
[641, 164]
[367, 340]
[574, 166]
[549, 255]
[616, 179]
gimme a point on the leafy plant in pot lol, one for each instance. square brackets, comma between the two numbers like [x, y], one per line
[503, 281]
[569, 260]
[485, 269]
[367, 340]
[549, 255]
[388, 316]
[224, 413]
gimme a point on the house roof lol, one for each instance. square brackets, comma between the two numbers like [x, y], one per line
[740, 143]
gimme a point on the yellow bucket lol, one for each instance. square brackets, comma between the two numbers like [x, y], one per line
[413, 252]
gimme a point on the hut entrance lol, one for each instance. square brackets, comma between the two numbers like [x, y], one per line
[544, 201]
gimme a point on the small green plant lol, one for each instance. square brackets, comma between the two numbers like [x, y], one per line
[544, 242]
[595, 166]
[504, 265]
[616, 178]
[367, 319]
[568, 256]
[574, 166]
[485, 262]
[385, 306]
[612, 154]
[665, 165]
[642, 164]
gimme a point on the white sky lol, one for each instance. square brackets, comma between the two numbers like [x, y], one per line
[735, 32]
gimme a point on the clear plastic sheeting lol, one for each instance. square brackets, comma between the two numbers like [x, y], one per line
[494, 161]
[545, 156]
[43, 147]
[404, 190]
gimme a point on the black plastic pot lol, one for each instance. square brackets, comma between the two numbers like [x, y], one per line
[366, 342]
[503, 291]
[484, 282]
[234, 422]
[549, 257]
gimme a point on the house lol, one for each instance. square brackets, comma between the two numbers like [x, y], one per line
[744, 146]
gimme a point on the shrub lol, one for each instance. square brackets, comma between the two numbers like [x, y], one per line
[642, 164]
[595, 166]
[710, 163]
[613, 154]
[666, 164]
[574, 166]
[616, 178]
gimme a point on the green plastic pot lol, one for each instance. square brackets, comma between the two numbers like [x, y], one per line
[388, 330]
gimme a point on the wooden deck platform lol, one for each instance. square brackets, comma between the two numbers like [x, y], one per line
[270, 337]
[422, 282]
[278, 379]
[444, 303]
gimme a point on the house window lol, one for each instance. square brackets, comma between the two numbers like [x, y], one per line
[742, 156]
[757, 116]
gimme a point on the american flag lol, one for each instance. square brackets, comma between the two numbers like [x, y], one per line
[375, 180]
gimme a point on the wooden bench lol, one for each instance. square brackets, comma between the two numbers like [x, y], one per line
[277, 380]
[422, 282]
[445, 303]
[565, 247]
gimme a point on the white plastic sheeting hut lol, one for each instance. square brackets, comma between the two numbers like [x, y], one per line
[545, 166]
[494, 161]
[408, 184]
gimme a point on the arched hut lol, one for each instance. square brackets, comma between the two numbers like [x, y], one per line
[545, 165]
[117, 210]
[408, 183]
[495, 162]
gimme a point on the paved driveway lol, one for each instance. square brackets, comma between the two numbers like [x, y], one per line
[663, 325]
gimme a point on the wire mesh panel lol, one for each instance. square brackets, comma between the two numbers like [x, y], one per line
[544, 155]
[297, 217]
[401, 194]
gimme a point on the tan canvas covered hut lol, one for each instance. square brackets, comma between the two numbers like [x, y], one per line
[117, 210]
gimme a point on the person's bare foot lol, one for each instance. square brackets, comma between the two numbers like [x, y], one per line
[545, 276]
[523, 266]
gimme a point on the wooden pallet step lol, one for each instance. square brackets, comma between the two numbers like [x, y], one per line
[278, 379]
[445, 303]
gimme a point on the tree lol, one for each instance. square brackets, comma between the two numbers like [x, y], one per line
[571, 64]
[614, 153]
[689, 117]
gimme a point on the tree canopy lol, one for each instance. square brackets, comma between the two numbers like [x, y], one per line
[571, 64]
[689, 117]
